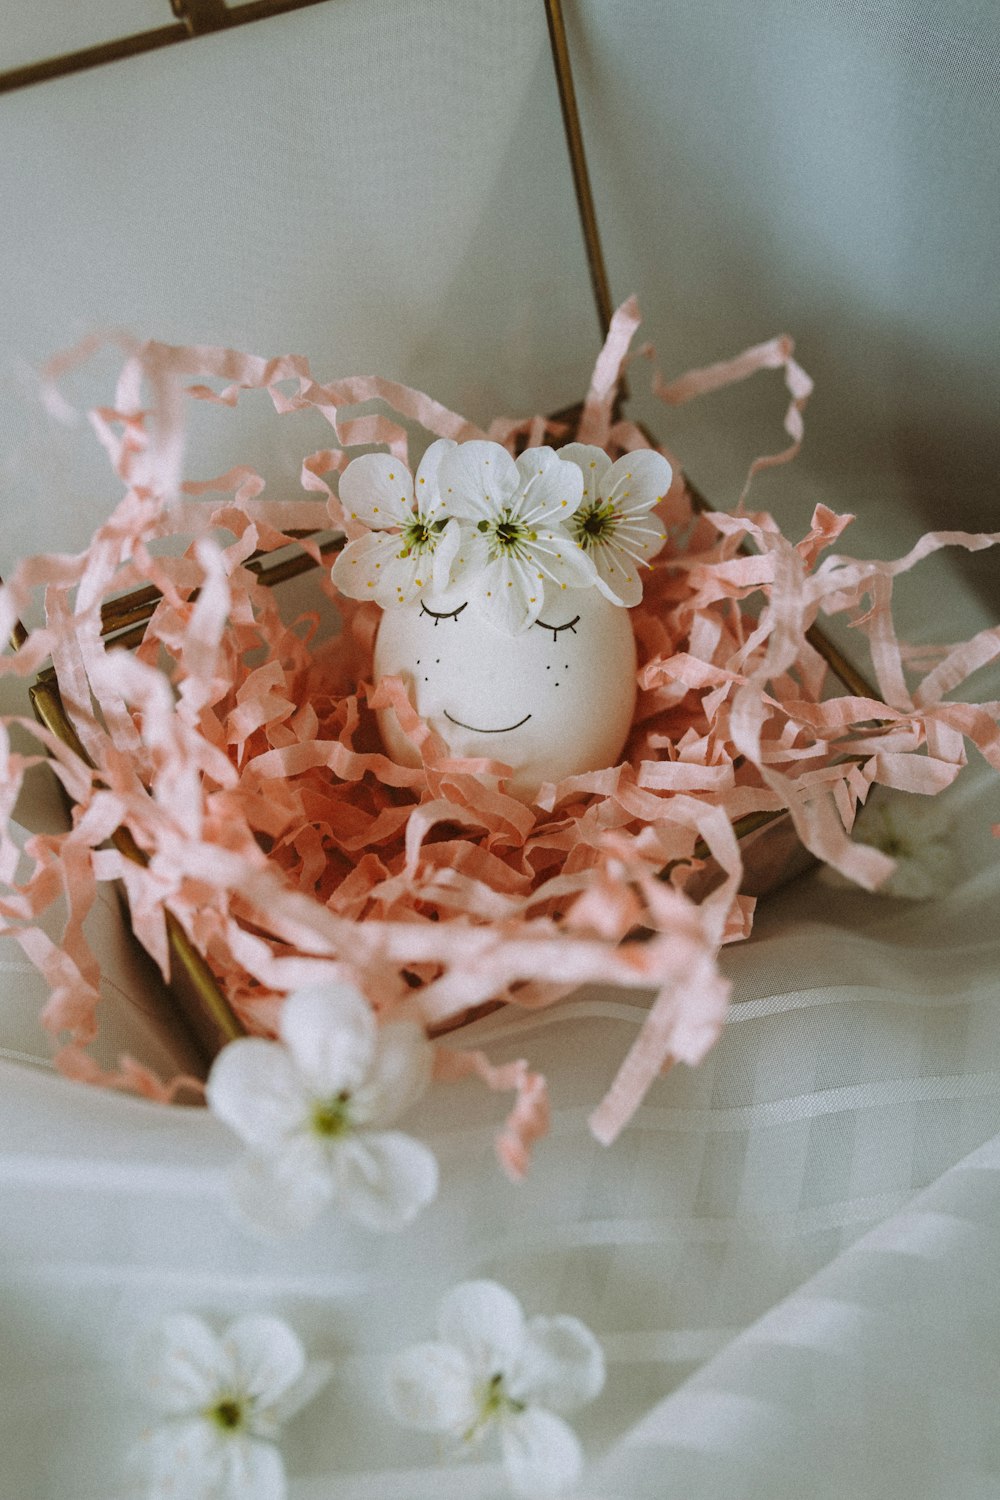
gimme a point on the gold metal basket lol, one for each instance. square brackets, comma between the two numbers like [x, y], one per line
[770, 849]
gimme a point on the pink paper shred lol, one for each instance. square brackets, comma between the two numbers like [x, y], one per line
[241, 752]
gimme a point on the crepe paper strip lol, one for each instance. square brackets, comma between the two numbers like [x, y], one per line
[528, 1120]
[913, 773]
[129, 1077]
[934, 541]
[958, 665]
[595, 420]
[976, 722]
[775, 354]
[827, 527]
[685, 1020]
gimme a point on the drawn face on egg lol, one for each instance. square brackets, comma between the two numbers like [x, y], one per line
[553, 701]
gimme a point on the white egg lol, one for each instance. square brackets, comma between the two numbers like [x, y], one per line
[553, 701]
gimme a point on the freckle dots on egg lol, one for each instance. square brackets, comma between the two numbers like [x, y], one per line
[553, 701]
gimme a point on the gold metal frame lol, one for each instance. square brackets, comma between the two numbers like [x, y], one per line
[194, 18]
[578, 161]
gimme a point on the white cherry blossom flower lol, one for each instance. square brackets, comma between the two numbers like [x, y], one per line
[515, 537]
[916, 832]
[223, 1402]
[614, 523]
[312, 1108]
[411, 541]
[491, 1369]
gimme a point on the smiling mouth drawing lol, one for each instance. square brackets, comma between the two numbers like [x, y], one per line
[505, 730]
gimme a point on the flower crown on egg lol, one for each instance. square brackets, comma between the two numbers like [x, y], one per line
[500, 529]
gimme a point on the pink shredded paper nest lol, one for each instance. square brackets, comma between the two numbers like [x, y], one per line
[241, 751]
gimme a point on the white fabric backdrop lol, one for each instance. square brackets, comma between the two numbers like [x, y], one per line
[792, 1255]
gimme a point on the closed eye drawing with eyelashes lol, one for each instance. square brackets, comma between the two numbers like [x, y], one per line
[438, 615]
[551, 701]
[558, 629]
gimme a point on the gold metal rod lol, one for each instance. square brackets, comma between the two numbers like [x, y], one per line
[138, 607]
[92, 57]
[200, 16]
[18, 634]
[839, 665]
[578, 162]
[144, 41]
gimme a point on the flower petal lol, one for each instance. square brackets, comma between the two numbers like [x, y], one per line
[404, 575]
[486, 1322]
[382, 1179]
[445, 554]
[915, 879]
[399, 1074]
[593, 463]
[508, 594]
[541, 1454]
[927, 872]
[562, 559]
[469, 562]
[267, 1356]
[426, 487]
[253, 1087]
[432, 1389]
[551, 490]
[477, 480]
[561, 1365]
[282, 1193]
[617, 575]
[330, 1031]
[378, 490]
[181, 1461]
[636, 482]
[180, 1364]
[196, 1461]
[640, 536]
[252, 1470]
[618, 578]
[369, 567]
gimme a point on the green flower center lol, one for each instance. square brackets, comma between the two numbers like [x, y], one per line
[595, 524]
[494, 1403]
[420, 535]
[228, 1414]
[507, 535]
[331, 1117]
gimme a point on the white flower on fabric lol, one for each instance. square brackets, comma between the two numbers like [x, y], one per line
[410, 543]
[917, 833]
[223, 1402]
[515, 537]
[614, 523]
[312, 1108]
[490, 1368]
